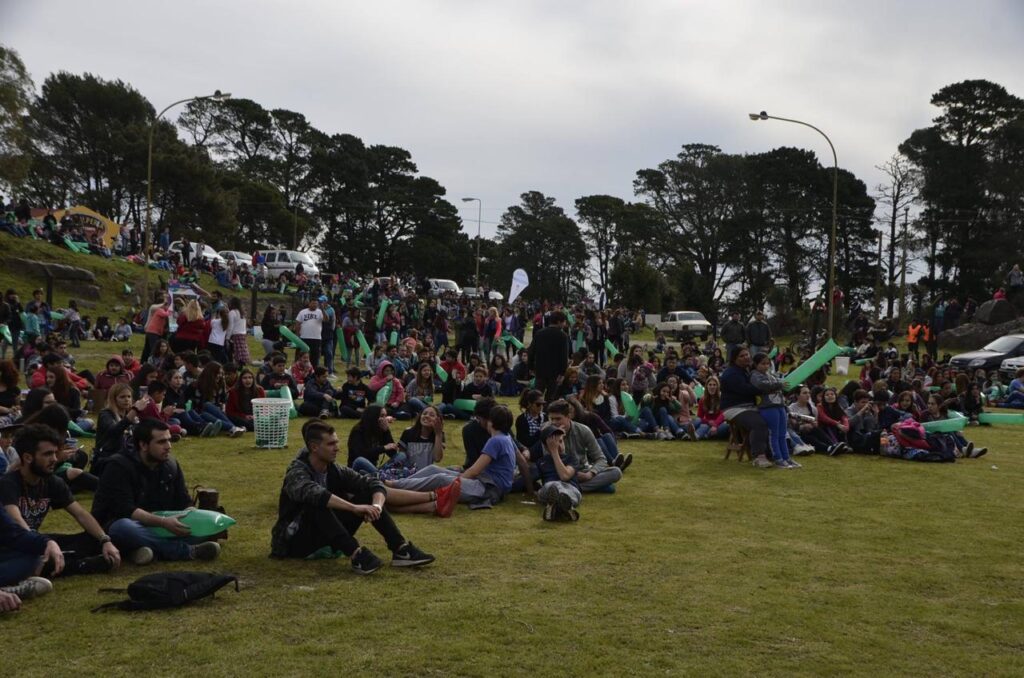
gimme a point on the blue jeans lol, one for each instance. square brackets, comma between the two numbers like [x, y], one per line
[416, 405]
[129, 535]
[777, 421]
[622, 424]
[447, 408]
[704, 430]
[16, 566]
[211, 413]
[364, 466]
[668, 421]
[646, 421]
[608, 445]
[1015, 400]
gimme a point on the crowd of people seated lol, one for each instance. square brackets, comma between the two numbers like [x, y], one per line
[582, 387]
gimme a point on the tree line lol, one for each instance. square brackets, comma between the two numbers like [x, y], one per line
[704, 228]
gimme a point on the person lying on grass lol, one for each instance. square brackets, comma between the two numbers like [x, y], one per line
[322, 505]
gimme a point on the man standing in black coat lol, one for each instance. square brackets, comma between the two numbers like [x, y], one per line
[549, 354]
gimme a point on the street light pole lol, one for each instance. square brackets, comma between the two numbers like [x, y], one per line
[835, 202]
[479, 217]
[216, 96]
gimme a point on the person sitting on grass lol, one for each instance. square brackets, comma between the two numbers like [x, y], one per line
[489, 479]
[396, 400]
[475, 434]
[314, 519]
[138, 482]
[240, 397]
[279, 377]
[209, 396]
[937, 411]
[560, 491]
[711, 419]
[158, 408]
[24, 554]
[302, 369]
[833, 422]
[319, 397]
[354, 395]
[114, 420]
[370, 439]
[593, 471]
[28, 494]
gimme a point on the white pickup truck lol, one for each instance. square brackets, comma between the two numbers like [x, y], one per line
[684, 325]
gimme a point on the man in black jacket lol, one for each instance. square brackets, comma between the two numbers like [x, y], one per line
[322, 505]
[138, 482]
[759, 335]
[733, 334]
[549, 355]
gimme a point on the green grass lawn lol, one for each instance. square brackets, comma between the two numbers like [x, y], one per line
[696, 565]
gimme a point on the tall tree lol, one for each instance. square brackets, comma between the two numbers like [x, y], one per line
[896, 196]
[612, 226]
[16, 91]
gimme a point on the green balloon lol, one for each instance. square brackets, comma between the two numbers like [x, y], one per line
[808, 367]
[442, 374]
[393, 339]
[5, 333]
[384, 394]
[342, 346]
[612, 351]
[290, 336]
[1014, 418]
[629, 405]
[380, 314]
[202, 523]
[361, 338]
[956, 422]
[465, 404]
[774, 352]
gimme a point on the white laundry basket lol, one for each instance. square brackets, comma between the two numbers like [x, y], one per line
[270, 416]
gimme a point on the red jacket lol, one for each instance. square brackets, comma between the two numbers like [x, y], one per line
[710, 418]
[38, 379]
[234, 407]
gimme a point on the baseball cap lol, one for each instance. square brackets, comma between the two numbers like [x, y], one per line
[549, 431]
[323, 297]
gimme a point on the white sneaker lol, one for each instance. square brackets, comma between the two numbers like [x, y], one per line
[33, 587]
[142, 555]
[237, 431]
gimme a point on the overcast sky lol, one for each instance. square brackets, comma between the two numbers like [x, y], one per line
[570, 98]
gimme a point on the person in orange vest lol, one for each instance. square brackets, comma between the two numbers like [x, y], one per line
[931, 340]
[913, 336]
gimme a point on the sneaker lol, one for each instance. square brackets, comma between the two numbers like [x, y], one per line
[142, 556]
[365, 562]
[175, 437]
[574, 515]
[762, 462]
[835, 450]
[793, 464]
[979, 452]
[550, 511]
[324, 414]
[617, 461]
[780, 463]
[969, 450]
[33, 587]
[630, 436]
[847, 448]
[218, 426]
[803, 450]
[207, 431]
[408, 555]
[236, 431]
[93, 565]
[564, 504]
[208, 550]
[626, 461]
[447, 498]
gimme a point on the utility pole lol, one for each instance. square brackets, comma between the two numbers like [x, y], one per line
[903, 268]
[878, 286]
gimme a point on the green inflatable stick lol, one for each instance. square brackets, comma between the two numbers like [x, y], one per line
[774, 352]
[361, 338]
[698, 391]
[612, 351]
[1014, 418]
[808, 367]
[77, 430]
[629, 405]
[515, 342]
[358, 301]
[5, 334]
[862, 361]
[442, 374]
[290, 336]
[56, 315]
[384, 394]
[956, 422]
[393, 339]
[342, 346]
[571, 318]
[202, 523]
[579, 341]
[380, 314]
[284, 393]
[465, 404]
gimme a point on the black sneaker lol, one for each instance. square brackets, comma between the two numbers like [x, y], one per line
[626, 461]
[408, 555]
[208, 550]
[564, 503]
[835, 449]
[365, 562]
[93, 565]
[617, 461]
[549, 511]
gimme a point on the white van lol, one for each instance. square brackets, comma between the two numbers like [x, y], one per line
[284, 261]
[439, 287]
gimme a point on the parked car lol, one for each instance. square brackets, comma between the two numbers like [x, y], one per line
[283, 262]
[684, 325]
[440, 287]
[473, 293]
[237, 257]
[1009, 367]
[992, 356]
[208, 253]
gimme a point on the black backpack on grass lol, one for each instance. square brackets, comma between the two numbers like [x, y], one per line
[162, 590]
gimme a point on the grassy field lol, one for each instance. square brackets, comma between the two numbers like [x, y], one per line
[696, 566]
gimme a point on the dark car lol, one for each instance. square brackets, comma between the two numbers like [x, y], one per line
[992, 356]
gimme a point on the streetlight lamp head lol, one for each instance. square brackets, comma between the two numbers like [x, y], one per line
[763, 115]
[220, 96]
[468, 199]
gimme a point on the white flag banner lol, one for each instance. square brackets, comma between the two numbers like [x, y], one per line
[520, 281]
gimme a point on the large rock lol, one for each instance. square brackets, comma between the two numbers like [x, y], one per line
[973, 336]
[995, 312]
[41, 268]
